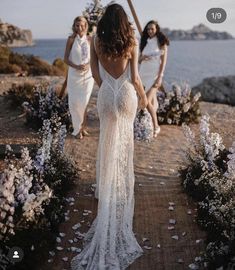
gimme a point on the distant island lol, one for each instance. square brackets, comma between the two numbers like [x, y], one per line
[199, 32]
[13, 36]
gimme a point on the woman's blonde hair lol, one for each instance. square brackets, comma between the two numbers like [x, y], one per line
[79, 19]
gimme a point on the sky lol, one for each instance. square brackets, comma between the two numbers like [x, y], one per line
[53, 18]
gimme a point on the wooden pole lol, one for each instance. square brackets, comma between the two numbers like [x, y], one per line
[135, 16]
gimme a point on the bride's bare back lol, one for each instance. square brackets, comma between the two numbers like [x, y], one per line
[114, 66]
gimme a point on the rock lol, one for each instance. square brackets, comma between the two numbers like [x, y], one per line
[13, 36]
[217, 89]
[198, 32]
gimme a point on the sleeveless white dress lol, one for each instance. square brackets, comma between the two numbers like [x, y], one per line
[79, 84]
[110, 244]
[148, 69]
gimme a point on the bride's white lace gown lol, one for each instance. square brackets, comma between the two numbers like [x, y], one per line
[110, 244]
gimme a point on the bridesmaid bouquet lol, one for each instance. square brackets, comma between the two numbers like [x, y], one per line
[143, 126]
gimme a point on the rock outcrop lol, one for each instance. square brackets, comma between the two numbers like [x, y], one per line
[199, 32]
[217, 89]
[13, 36]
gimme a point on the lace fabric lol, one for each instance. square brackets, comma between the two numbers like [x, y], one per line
[110, 243]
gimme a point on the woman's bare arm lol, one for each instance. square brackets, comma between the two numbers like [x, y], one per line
[95, 64]
[136, 78]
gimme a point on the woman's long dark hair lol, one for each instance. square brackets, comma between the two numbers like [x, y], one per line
[161, 37]
[115, 32]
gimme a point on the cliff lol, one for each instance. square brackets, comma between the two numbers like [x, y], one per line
[199, 32]
[13, 36]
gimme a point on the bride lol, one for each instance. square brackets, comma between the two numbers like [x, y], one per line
[110, 243]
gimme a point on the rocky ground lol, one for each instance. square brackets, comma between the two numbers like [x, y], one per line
[166, 246]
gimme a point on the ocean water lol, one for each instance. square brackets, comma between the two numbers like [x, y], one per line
[188, 61]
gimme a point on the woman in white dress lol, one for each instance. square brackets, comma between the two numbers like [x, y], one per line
[79, 81]
[153, 57]
[110, 244]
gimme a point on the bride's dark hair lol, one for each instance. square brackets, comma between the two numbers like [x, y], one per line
[115, 32]
[161, 37]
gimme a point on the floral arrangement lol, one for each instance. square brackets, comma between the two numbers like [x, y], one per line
[143, 126]
[32, 189]
[210, 179]
[93, 12]
[43, 105]
[178, 106]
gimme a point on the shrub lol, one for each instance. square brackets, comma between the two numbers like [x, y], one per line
[18, 94]
[11, 62]
[178, 106]
[32, 194]
[210, 178]
[60, 64]
[43, 105]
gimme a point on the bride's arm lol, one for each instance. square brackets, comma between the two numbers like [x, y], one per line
[95, 64]
[136, 78]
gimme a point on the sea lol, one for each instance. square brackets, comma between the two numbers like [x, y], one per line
[188, 61]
